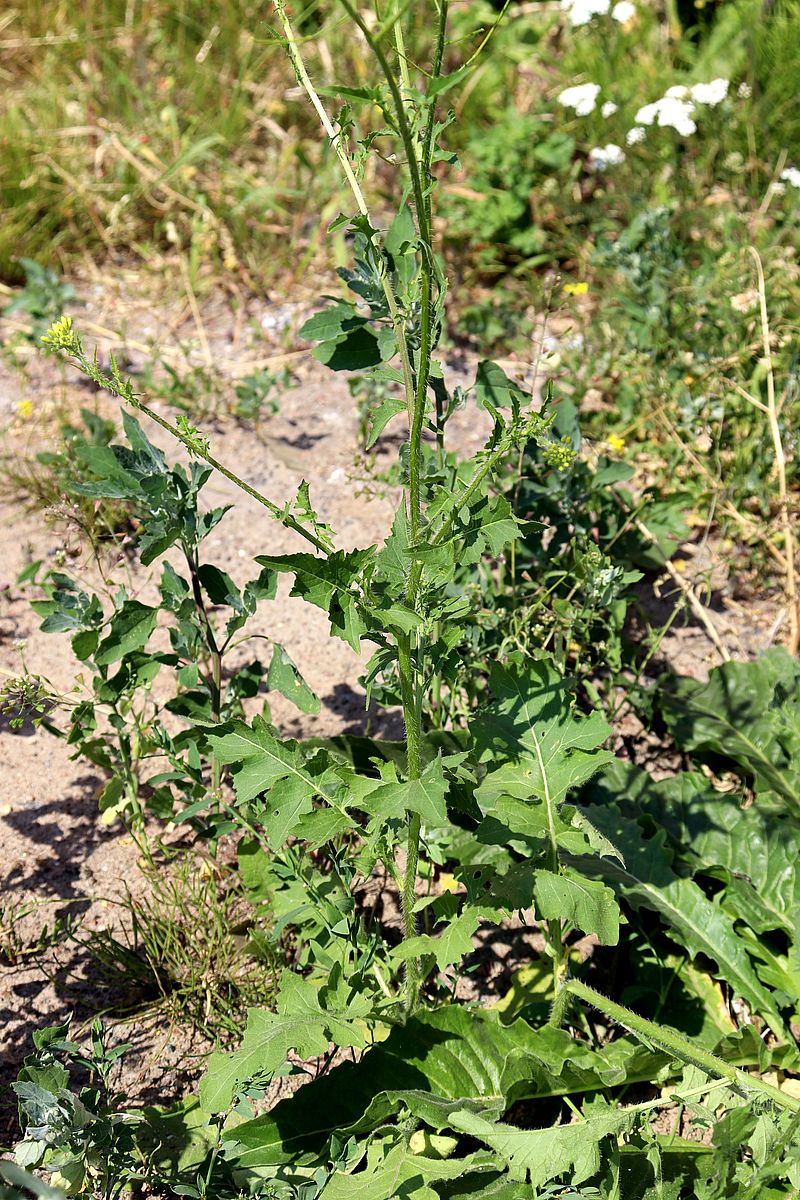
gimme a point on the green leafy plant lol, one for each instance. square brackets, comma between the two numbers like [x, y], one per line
[747, 715]
[718, 872]
[497, 212]
[406, 1091]
[568, 594]
[255, 394]
[118, 723]
[49, 481]
[373, 396]
[82, 1136]
[42, 299]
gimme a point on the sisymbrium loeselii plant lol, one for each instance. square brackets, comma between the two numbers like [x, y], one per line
[413, 1094]
[120, 721]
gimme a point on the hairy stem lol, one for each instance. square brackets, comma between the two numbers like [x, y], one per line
[128, 396]
[418, 155]
[409, 652]
[416, 668]
[413, 727]
[671, 1041]
[415, 399]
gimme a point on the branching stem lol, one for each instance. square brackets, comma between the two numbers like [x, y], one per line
[199, 450]
[409, 651]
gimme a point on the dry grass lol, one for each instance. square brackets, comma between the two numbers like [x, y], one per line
[147, 124]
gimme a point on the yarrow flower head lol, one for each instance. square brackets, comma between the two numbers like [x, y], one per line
[791, 176]
[580, 12]
[710, 93]
[623, 12]
[582, 97]
[744, 91]
[602, 157]
[609, 108]
[635, 135]
[670, 112]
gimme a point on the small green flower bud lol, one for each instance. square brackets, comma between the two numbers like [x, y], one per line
[194, 441]
[560, 455]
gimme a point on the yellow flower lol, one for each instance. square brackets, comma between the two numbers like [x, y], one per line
[576, 289]
[25, 409]
[62, 335]
[617, 443]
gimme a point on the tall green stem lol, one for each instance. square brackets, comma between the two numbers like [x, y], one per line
[418, 153]
[427, 245]
[409, 651]
[413, 726]
[415, 667]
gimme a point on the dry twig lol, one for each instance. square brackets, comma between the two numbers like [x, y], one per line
[771, 411]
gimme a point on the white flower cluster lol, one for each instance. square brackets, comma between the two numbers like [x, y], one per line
[710, 93]
[602, 157]
[580, 12]
[675, 110]
[791, 176]
[582, 97]
[676, 107]
[668, 111]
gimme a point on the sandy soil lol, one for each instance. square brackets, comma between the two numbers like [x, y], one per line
[54, 853]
